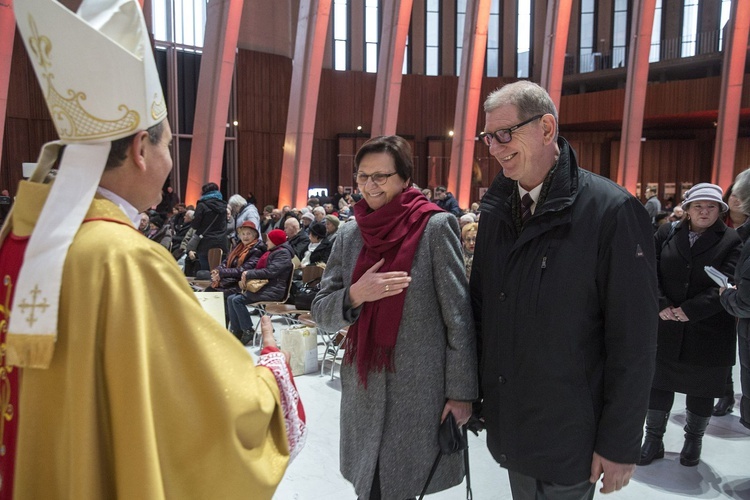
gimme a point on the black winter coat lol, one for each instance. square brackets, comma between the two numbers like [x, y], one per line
[299, 244]
[231, 272]
[737, 301]
[211, 221]
[322, 252]
[278, 272]
[708, 338]
[567, 316]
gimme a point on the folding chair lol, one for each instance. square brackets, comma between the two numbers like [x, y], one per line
[263, 304]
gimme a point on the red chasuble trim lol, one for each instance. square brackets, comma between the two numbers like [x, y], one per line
[11, 257]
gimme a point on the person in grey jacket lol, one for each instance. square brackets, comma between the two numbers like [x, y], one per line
[396, 278]
[736, 300]
[564, 292]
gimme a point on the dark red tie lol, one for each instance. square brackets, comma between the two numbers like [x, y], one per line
[526, 203]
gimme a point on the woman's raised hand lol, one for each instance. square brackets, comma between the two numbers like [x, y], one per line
[373, 285]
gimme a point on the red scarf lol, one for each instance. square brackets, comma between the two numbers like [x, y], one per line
[391, 232]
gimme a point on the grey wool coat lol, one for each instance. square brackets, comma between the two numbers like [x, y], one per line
[395, 419]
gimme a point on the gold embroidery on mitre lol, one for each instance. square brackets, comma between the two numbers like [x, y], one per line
[72, 121]
[23, 305]
[158, 107]
[6, 408]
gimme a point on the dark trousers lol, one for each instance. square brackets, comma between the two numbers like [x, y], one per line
[529, 488]
[744, 344]
[239, 317]
[663, 400]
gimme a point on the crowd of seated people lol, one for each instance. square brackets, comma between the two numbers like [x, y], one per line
[262, 246]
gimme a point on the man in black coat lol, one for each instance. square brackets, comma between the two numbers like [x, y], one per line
[564, 293]
[296, 238]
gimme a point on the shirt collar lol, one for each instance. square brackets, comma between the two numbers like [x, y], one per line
[132, 213]
[534, 193]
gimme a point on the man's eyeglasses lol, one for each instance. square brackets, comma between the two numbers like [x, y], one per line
[378, 178]
[503, 136]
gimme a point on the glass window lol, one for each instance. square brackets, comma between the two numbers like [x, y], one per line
[523, 41]
[689, 27]
[460, 24]
[405, 66]
[432, 42]
[654, 55]
[371, 36]
[620, 34]
[586, 44]
[180, 23]
[493, 40]
[340, 35]
[726, 7]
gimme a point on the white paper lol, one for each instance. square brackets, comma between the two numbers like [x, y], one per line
[719, 278]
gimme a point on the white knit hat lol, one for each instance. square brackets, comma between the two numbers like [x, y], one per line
[705, 192]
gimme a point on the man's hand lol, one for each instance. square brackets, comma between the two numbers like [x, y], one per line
[616, 476]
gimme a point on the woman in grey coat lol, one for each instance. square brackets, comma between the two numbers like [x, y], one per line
[396, 278]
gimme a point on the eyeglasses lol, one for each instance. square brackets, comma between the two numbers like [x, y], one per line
[503, 136]
[378, 178]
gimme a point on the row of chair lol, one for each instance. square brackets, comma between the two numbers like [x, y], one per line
[332, 341]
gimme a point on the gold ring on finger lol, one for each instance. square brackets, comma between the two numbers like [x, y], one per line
[387, 288]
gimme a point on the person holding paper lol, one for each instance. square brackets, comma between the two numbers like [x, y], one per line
[737, 300]
[696, 344]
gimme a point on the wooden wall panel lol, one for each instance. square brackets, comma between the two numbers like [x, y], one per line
[27, 124]
[263, 83]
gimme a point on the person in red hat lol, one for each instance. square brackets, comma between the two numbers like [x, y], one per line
[275, 266]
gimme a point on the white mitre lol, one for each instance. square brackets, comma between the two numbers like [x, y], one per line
[97, 72]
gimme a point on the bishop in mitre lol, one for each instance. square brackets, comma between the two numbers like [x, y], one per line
[128, 389]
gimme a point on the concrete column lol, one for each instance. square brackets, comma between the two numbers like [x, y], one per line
[396, 17]
[555, 41]
[312, 29]
[7, 33]
[467, 100]
[214, 89]
[635, 94]
[732, 75]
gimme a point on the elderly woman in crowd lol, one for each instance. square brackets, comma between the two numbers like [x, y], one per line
[242, 211]
[320, 245]
[736, 300]
[697, 341]
[244, 256]
[275, 266]
[468, 241]
[395, 277]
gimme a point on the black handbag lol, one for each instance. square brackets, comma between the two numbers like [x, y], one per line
[195, 239]
[304, 296]
[451, 439]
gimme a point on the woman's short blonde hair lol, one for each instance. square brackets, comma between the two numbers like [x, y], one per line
[468, 228]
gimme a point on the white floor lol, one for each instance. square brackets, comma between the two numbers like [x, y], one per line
[724, 471]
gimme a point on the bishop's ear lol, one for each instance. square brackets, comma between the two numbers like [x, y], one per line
[138, 149]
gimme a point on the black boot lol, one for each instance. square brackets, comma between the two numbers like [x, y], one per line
[695, 427]
[247, 336]
[653, 445]
[724, 405]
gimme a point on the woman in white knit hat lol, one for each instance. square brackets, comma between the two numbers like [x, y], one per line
[697, 340]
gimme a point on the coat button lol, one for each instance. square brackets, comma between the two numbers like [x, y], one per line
[501, 379]
[503, 458]
[502, 296]
[687, 285]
